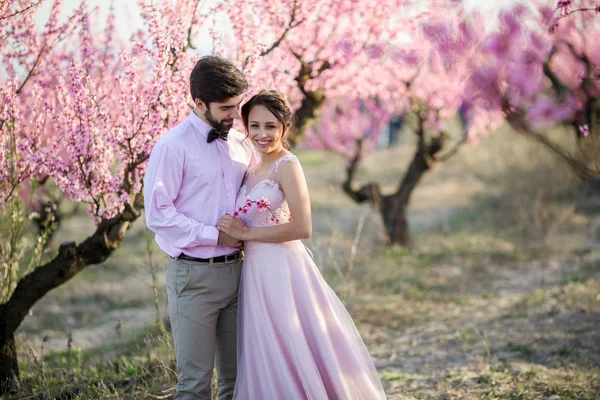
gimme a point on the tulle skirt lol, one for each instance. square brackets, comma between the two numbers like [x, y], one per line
[295, 338]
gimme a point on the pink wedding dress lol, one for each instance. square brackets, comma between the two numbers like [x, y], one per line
[295, 338]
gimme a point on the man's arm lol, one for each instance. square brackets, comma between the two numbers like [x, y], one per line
[161, 186]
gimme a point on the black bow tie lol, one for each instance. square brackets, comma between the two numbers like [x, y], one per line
[215, 134]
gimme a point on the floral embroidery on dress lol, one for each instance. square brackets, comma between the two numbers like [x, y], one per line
[261, 202]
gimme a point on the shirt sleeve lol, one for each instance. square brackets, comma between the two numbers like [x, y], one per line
[161, 186]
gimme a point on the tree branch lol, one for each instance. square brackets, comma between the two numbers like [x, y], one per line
[189, 43]
[369, 192]
[21, 11]
[582, 9]
[291, 25]
[351, 171]
[451, 152]
[70, 260]
[30, 73]
[578, 167]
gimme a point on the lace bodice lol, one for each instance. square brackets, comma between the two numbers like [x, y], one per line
[260, 200]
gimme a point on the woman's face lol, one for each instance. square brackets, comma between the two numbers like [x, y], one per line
[265, 130]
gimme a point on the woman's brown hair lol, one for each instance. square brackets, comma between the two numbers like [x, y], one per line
[277, 104]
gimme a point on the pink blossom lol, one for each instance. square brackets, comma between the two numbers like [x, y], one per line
[545, 111]
[97, 103]
[68, 118]
[585, 130]
[565, 6]
[262, 204]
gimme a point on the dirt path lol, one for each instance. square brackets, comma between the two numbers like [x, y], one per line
[522, 326]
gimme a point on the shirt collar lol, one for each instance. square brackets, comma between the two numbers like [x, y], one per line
[202, 126]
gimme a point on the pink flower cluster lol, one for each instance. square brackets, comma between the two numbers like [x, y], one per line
[261, 205]
[82, 107]
[565, 6]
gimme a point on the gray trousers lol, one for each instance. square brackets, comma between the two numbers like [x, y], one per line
[202, 301]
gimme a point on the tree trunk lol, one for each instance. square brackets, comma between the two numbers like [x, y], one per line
[69, 261]
[312, 100]
[308, 112]
[396, 222]
[393, 207]
[9, 368]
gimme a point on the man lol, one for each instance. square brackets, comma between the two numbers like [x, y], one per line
[194, 173]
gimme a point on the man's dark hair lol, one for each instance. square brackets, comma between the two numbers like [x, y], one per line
[215, 79]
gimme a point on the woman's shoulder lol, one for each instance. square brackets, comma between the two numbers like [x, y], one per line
[286, 158]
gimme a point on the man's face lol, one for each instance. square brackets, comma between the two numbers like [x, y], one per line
[222, 115]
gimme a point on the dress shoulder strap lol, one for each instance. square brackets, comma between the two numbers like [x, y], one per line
[287, 158]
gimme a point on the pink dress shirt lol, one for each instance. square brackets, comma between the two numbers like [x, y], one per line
[190, 184]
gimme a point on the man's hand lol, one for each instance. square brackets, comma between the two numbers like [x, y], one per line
[228, 241]
[233, 227]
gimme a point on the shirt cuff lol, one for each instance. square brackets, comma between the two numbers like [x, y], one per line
[210, 236]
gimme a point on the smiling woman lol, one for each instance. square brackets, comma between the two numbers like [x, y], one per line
[295, 338]
[268, 118]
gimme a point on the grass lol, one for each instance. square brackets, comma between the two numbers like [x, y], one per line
[139, 367]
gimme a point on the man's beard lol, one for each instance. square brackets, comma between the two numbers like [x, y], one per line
[220, 126]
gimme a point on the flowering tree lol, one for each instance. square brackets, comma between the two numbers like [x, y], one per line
[313, 49]
[82, 111]
[540, 71]
[537, 70]
[328, 49]
[415, 81]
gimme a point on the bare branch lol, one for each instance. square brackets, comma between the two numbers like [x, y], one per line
[451, 152]
[351, 170]
[369, 192]
[579, 168]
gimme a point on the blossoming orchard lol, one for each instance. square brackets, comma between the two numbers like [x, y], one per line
[81, 107]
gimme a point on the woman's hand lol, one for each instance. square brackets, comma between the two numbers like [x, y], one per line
[233, 226]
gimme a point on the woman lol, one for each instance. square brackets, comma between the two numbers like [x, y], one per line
[296, 339]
